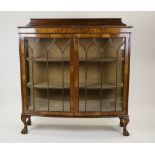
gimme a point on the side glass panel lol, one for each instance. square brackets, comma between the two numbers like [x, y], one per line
[48, 74]
[101, 62]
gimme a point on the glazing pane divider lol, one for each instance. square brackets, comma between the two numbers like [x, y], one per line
[116, 79]
[75, 74]
[101, 85]
[86, 83]
[62, 66]
[33, 84]
[47, 74]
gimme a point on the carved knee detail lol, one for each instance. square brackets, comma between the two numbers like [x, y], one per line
[121, 121]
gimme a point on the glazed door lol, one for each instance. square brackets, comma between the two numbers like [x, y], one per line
[47, 73]
[101, 77]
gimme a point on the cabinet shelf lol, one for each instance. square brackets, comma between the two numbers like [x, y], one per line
[92, 105]
[67, 59]
[50, 59]
[44, 85]
[94, 86]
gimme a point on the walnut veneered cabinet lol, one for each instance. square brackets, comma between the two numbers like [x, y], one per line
[75, 68]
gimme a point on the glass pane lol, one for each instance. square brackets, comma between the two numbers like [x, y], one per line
[100, 74]
[48, 74]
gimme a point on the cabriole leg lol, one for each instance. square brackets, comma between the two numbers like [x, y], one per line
[24, 118]
[123, 123]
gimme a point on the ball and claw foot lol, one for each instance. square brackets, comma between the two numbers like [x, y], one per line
[125, 132]
[123, 123]
[24, 130]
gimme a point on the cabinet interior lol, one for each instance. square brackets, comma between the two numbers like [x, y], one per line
[100, 70]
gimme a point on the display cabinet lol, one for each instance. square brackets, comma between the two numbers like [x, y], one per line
[75, 68]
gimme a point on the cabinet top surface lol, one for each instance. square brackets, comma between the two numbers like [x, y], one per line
[76, 22]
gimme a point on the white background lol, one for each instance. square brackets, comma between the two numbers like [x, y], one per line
[141, 97]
